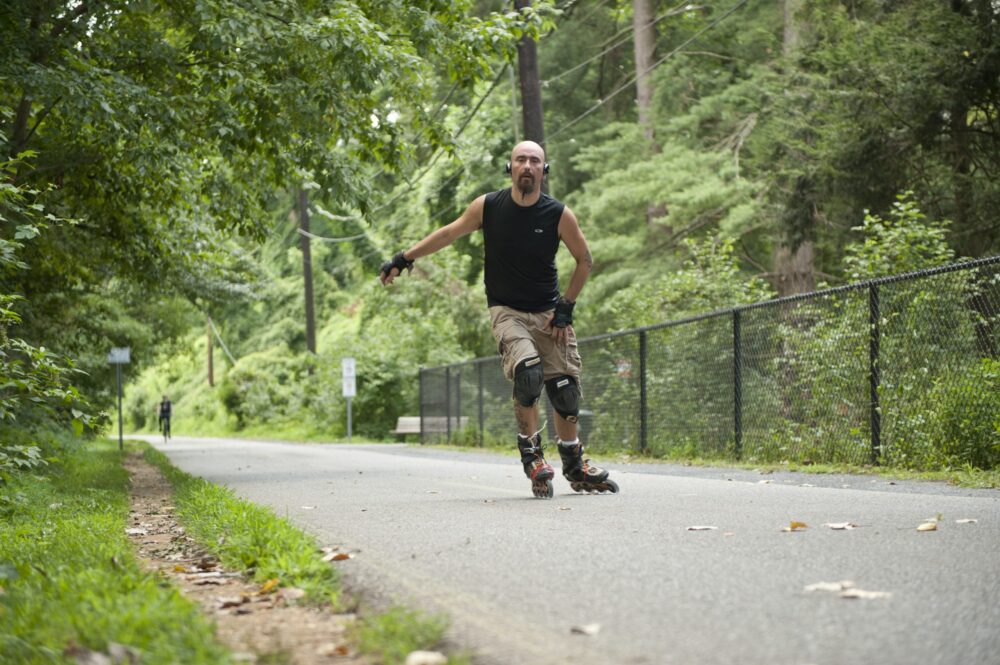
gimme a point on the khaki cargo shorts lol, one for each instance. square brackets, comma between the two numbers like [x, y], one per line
[523, 335]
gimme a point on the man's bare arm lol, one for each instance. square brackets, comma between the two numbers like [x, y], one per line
[572, 237]
[467, 222]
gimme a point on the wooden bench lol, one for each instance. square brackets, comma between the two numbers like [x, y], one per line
[433, 424]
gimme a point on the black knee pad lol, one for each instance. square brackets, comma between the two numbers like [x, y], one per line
[528, 380]
[564, 396]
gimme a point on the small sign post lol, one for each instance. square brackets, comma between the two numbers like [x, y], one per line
[348, 367]
[119, 356]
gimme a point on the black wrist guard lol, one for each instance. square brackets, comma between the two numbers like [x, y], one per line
[564, 313]
[399, 262]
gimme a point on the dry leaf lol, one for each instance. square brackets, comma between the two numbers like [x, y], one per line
[341, 556]
[765, 482]
[433, 491]
[927, 526]
[232, 601]
[796, 526]
[426, 658]
[702, 528]
[833, 587]
[308, 507]
[841, 526]
[269, 585]
[330, 649]
[564, 508]
[864, 595]
[966, 521]
[587, 629]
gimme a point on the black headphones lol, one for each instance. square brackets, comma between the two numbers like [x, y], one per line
[506, 168]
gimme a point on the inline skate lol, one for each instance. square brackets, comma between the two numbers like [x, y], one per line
[583, 476]
[538, 471]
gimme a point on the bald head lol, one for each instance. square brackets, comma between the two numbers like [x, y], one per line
[528, 148]
[527, 168]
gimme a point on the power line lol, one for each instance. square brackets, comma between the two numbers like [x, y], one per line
[656, 64]
[411, 184]
[680, 9]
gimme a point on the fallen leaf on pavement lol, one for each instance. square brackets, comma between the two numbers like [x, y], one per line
[702, 528]
[796, 526]
[966, 521]
[841, 526]
[864, 595]
[927, 526]
[833, 587]
[587, 629]
[308, 507]
[339, 556]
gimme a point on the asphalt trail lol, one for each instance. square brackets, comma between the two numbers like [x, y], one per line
[461, 534]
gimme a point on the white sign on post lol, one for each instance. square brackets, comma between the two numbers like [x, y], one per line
[347, 365]
[119, 355]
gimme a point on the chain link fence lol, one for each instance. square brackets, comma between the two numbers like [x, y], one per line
[901, 371]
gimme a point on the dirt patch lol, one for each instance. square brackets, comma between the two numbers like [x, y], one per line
[257, 623]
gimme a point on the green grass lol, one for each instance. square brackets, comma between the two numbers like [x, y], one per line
[399, 631]
[69, 577]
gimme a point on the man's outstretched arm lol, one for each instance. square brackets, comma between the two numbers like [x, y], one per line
[468, 221]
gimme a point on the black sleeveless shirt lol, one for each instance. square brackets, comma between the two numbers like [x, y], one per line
[521, 244]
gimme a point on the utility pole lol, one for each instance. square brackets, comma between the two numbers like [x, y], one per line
[307, 272]
[211, 372]
[531, 89]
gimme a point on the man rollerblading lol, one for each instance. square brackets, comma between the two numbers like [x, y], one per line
[532, 321]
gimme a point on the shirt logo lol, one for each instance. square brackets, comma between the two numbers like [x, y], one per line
[538, 231]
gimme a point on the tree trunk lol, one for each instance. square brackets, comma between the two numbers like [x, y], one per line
[531, 89]
[794, 257]
[307, 272]
[794, 27]
[645, 55]
[794, 269]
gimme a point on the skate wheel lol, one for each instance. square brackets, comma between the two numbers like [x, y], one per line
[542, 489]
[609, 486]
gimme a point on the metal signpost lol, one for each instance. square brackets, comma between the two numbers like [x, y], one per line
[347, 365]
[119, 356]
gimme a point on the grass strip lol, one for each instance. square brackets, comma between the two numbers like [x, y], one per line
[69, 578]
[248, 537]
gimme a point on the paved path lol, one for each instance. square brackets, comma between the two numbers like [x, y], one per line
[460, 533]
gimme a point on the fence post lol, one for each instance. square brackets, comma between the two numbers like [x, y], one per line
[737, 387]
[874, 318]
[479, 379]
[458, 405]
[447, 403]
[643, 403]
[420, 381]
